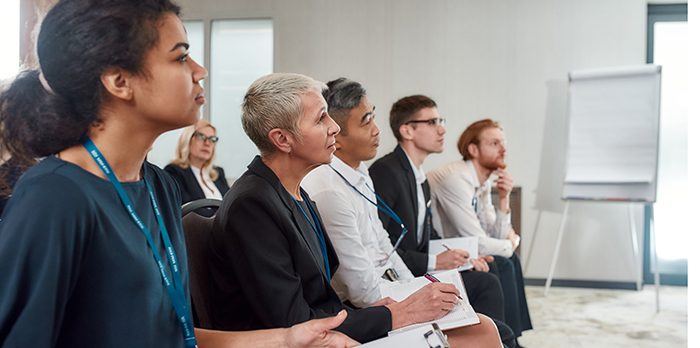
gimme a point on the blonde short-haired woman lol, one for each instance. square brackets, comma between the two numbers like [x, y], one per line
[92, 249]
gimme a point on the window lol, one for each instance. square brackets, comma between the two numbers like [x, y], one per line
[667, 46]
[241, 52]
[9, 40]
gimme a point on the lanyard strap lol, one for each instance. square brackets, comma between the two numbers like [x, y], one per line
[385, 209]
[316, 225]
[175, 288]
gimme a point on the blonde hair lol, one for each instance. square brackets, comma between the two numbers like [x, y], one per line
[182, 152]
[274, 101]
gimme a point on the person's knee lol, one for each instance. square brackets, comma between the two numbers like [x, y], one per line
[506, 265]
[515, 259]
[506, 333]
[487, 281]
[490, 324]
[483, 335]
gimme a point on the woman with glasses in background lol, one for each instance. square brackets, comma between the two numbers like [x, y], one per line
[92, 248]
[193, 168]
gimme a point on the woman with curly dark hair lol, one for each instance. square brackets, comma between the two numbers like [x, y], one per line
[92, 252]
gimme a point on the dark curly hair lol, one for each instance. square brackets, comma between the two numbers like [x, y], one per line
[78, 40]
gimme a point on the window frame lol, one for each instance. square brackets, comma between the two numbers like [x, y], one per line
[660, 13]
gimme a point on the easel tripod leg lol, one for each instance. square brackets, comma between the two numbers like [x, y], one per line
[654, 255]
[635, 246]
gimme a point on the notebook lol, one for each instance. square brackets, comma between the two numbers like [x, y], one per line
[461, 315]
[468, 244]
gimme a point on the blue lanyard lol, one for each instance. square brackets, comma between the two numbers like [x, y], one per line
[176, 291]
[474, 203]
[385, 209]
[317, 229]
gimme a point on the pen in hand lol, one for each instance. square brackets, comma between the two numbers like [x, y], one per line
[446, 247]
[435, 280]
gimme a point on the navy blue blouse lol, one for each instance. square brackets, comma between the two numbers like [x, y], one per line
[76, 271]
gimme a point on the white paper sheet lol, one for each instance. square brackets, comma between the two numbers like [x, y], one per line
[461, 315]
[468, 244]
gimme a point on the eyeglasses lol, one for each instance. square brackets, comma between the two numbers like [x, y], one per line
[203, 137]
[432, 121]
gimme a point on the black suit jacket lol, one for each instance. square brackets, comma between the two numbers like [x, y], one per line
[189, 186]
[267, 270]
[395, 183]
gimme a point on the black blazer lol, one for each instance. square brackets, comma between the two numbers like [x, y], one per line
[267, 269]
[395, 184]
[189, 186]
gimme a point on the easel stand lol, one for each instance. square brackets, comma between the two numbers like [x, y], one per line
[635, 248]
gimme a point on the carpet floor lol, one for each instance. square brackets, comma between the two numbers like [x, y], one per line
[595, 318]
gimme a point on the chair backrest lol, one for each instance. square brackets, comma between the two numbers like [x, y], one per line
[197, 230]
[205, 207]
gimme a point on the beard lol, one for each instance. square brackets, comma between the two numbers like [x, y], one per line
[494, 163]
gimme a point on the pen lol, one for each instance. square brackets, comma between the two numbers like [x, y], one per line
[446, 247]
[435, 280]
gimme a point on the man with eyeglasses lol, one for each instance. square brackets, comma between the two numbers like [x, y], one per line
[462, 207]
[344, 194]
[401, 183]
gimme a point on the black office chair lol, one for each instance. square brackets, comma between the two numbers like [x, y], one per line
[197, 230]
[205, 207]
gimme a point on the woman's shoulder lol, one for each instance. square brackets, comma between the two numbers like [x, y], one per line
[164, 185]
[174, 168]
[56, 185]
[52, 171]
[158, 174]
[251, 188]
[219, 169]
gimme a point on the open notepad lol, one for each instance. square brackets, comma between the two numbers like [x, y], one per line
[468, 244]
[461, 315]
[424, 336]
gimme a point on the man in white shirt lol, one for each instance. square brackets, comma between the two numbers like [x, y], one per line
[344, 194]
[461, 194]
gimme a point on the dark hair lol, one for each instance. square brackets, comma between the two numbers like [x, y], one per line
[342, 96]
[403, 110]
[78, 40]
[472, 135]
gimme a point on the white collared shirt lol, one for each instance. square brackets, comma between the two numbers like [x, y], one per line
[210, 190]
[355, 229]
[463, 207]
[420, 199]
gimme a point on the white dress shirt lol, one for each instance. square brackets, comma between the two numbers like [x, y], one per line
[420, 179]
[356, 231]
[210, 190]
[463, 207]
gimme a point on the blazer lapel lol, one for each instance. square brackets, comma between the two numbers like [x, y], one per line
[196, 192]
[307, 233]
[410, 178]
[330, 250]
[426, 221]
[302, 225]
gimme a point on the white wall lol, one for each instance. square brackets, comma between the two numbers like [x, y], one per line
[504, 59]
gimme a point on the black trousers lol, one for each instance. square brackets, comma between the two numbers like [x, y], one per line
[485, 296]
[510, 274]
[484, 292]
